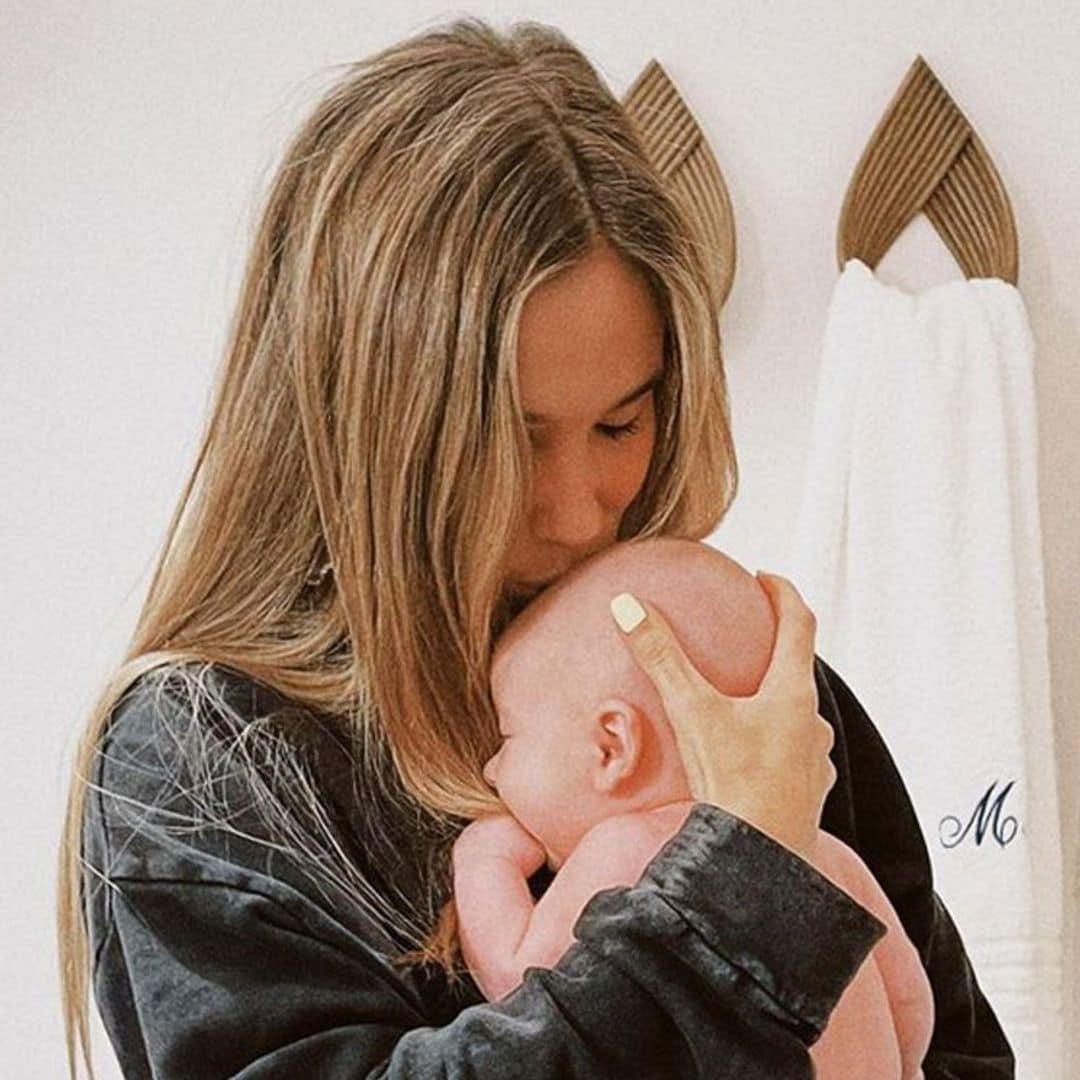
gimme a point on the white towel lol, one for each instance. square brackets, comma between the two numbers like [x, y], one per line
[918, 547]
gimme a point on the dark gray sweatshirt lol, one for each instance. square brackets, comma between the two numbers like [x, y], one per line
[218, 951]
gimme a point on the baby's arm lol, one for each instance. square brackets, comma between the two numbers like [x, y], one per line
[492, 861]
[503, 932]
[613, 852]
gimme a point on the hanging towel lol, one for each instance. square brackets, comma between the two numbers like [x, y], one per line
[918, 546]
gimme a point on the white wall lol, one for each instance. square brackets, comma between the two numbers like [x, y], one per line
[133, 142]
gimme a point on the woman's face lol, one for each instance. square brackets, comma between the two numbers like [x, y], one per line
[590, 350]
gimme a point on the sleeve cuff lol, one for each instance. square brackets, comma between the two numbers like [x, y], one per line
[768, 912]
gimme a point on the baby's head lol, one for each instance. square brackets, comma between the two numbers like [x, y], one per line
[585, 731]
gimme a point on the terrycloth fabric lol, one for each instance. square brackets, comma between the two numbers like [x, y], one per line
[881, 1027]
[918, 547]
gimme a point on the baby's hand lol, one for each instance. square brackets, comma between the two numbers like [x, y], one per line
[499, 836]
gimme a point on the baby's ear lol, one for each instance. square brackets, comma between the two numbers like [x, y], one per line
[617, 741]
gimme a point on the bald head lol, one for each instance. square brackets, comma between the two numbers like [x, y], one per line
[565, 645]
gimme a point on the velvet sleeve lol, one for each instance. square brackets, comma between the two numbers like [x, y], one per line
[725, 959]
[870, 808]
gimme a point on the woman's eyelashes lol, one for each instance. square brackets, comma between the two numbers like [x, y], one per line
[615, 432]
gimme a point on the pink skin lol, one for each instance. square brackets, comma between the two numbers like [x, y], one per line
[592, 777]
[593, 739]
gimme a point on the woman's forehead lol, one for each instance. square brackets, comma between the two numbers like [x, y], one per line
[586, 338]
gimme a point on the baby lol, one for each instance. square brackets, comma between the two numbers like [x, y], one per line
[591, 773]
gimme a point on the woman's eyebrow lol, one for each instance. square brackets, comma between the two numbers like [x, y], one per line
[650, 384]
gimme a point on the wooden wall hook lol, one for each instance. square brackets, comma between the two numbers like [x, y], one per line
[925, 156]
[681, 153]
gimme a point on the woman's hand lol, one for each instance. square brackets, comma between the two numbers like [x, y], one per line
[764, 758]
[499, 836]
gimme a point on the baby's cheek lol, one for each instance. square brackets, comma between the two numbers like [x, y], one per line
[534, 802]
[517, 790]
[564, 810]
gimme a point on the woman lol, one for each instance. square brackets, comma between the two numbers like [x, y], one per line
[475, 344]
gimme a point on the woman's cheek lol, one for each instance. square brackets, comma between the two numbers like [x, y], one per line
[636, 466]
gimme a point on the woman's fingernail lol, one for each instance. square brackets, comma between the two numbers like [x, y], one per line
[627, 611]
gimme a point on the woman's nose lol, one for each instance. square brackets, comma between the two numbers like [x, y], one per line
[566, 510]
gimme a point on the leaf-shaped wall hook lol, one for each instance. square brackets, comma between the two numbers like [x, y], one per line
[924, 156]
[679, 150]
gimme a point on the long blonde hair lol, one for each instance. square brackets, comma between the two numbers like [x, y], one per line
[366, 428]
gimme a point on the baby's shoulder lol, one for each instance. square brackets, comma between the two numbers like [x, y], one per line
[651, 826]
[666, 820]
[617, 849]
